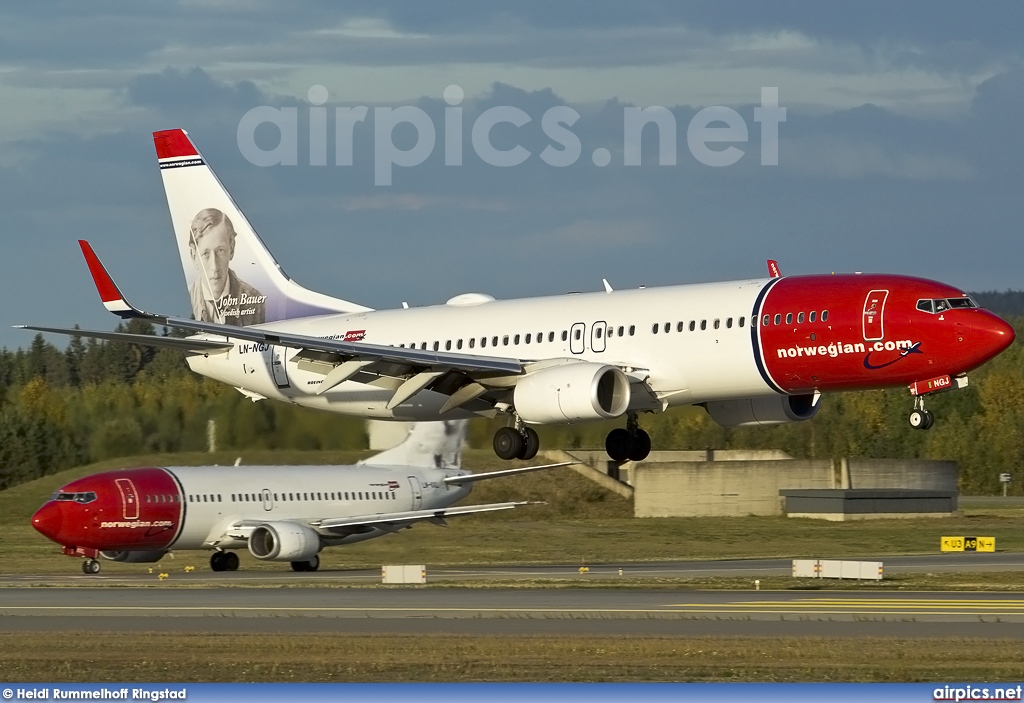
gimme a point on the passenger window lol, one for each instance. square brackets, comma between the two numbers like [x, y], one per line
[800, 318]
[693, 325]
[551, 336]
[458, 345]
[565, 335]
[813, 314]
[494, 341]
[824, 315]
[728, 323]
[600, 332]
[632, 330]
[423, 346]
[437, 345]
[448, 345]
[528, 337]
[743, 321]
[778, 319]
[654, 330]
[668, 327]
[516, 340]
[622, 331]
[789, 318]
[578, 334]
[703, 324]
[679, 327]
[504, 340]
[717, 323]
[765, 320]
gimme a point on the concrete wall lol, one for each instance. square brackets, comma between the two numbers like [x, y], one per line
[722, 488]
[900, 473]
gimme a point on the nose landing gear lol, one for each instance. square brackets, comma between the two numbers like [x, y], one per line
[90, 567]
[629, 444]
[920, 419]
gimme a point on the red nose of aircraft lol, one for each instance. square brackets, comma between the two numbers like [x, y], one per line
[49, 520]
[992, 334]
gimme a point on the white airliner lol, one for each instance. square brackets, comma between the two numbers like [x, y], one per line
[279, 513]
[752, 352]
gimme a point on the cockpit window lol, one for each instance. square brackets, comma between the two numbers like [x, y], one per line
[82, 497]
[939, 305]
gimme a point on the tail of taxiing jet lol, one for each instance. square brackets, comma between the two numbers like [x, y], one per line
[231, 276]
[428, 444]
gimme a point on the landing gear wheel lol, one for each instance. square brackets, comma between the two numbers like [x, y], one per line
[91, 567]
[531, 444]
[929, 419]
[920, 419]
[508, 443]
[230, 561]
[619, 445]
[641, 446]
[311, 565]
[218, 561]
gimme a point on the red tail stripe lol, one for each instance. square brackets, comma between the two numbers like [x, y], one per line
[104, 284]
[172, 143]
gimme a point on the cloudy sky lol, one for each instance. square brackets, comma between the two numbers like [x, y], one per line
[901, 150]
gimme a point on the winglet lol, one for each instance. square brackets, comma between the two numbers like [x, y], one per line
[773, 269]
[105, 286]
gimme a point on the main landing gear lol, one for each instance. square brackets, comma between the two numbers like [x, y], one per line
[311, 565]
[629, 444]
[224, 561]
[90, 567]
[517, 442]
[920, 419]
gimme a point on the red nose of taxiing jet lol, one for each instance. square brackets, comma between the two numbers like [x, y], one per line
[49, 520]
[991, 334]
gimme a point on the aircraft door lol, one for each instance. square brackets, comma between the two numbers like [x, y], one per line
[577, 341]
[129, 498]
[874, 309]
[277, 358]
[268, 499]
[417, 492]
[597, 336]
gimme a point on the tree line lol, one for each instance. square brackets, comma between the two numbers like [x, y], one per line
[97, 400]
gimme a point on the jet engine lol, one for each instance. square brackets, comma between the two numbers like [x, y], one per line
[134, 557]
[771, 410]
[284, 541]
[572, 392]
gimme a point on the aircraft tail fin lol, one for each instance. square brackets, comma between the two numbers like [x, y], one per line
[232, 277]
[428, 444]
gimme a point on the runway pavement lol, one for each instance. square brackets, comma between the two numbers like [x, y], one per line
[744, 568]
[109, 602]
[513, 611]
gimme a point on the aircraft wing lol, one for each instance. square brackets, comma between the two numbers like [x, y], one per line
[473, 478]
[189, 344]
[403, 519]
[384, 521]
[434, 363]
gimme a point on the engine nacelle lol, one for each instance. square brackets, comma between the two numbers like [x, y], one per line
[134, 557]
[771, 410]
[571, 393]
[284, 541]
